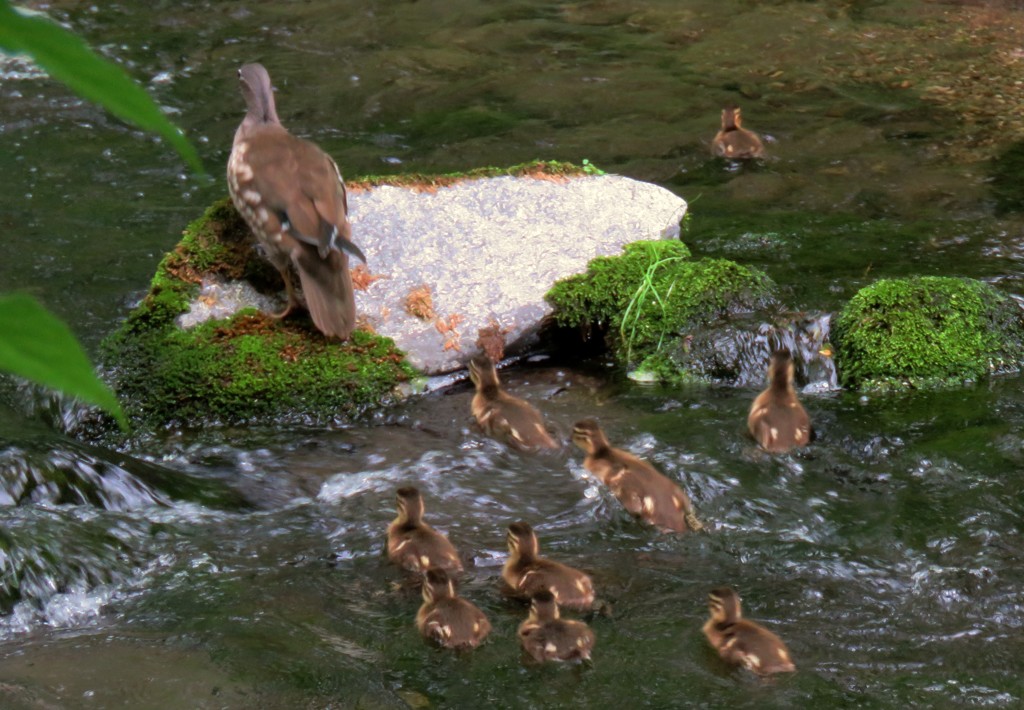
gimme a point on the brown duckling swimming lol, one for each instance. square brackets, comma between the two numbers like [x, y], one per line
[642, 489]
[526, 573]
[733, 141]
[503, 416]
[741, 642]
[547, 637]
[446, 618]
[412, 544]
[777, 420]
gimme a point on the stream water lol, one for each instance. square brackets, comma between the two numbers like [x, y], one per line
[242, 568]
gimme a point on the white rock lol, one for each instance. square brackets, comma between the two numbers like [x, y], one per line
[489, 249]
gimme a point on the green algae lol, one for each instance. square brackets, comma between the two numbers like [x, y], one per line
[926, 331]
[648, 298]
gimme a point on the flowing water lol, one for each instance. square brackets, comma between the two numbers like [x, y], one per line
[242, 568]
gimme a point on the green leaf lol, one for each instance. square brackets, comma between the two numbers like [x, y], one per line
[67, 59]
[36, 345]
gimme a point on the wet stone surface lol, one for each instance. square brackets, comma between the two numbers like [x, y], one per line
[465, 267]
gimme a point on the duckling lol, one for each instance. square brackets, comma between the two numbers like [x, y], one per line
[777, 420]
[743, 642]
[642, 489]
[526, 573]
[547, 637]
[503, 416]
[446, 618]
[733, 141]
[412, 544]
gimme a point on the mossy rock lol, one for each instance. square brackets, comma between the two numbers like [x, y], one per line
[926, 331]
[651, 294]
[248, 368]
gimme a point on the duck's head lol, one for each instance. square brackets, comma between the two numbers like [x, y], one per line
[781, 369]
[724, 605]
[482, 371]
[258, 92]
[587, 435]
[409, 503]
[437, 585]
[543, 606]
[522, 540]
[731, 119]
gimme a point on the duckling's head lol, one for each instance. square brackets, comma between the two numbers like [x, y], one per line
[731, 119]
[482, 372]
[410, 504]
[543, 606]
[437, 585]
[724, 605]
[522, 540]
[781, 369]
[587, 435]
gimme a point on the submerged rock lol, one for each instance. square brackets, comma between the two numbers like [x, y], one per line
[927, 331]
[455, 265]
[735, 351]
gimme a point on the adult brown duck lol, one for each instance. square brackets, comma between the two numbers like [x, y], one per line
[291, 195]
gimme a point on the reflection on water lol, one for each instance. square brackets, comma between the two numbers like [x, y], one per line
[243, 568]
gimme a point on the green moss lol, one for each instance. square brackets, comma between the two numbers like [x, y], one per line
[219, 242]
[605, 289]
[653, 292]
[251, 368]
[536, 168]
[248, 368]
[664, 368]
[926, 331]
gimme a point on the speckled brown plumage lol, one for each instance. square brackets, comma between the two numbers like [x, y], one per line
[446, 618]
[733, 141]
[777, 420]
[412, 544]
[547, 637]
[503, 416]
[526, 573]
[642, 489]
[291, 195]
[741, 642]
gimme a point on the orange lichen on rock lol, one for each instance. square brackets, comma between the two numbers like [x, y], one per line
[551, 170]
[449, 329]
[362, 279]
[419, 303]
[251, 324]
